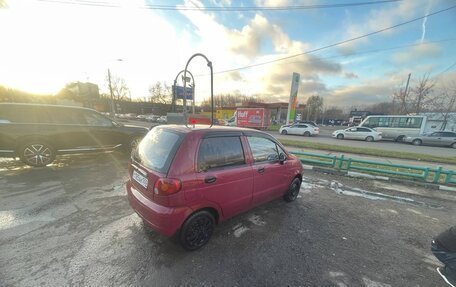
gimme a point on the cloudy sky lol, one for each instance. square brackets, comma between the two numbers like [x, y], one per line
[254, 48]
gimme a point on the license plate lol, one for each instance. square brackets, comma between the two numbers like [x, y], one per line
[139, 178]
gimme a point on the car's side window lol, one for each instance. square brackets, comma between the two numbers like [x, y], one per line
[263, 149]
[220, 152]
[94, 119]
[67, 117]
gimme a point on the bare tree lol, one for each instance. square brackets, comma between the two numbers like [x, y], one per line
[231, 100]
[401, 101]
[314, 106]
[422, 94]
[445, 103]
[160, 93]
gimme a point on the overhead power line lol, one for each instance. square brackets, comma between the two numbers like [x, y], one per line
[381, 50]
[337, 43]
[222, 9]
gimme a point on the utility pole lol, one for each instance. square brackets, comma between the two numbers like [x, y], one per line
[113, 109]
[405, 92]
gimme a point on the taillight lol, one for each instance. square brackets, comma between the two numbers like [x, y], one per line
[167, 186]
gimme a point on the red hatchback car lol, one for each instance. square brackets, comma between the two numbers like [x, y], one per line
[185, 180]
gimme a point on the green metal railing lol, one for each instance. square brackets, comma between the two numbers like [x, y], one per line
[426, 174]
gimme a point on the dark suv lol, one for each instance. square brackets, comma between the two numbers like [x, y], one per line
[37, 133]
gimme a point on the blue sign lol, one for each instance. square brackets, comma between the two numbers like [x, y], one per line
[179, 92]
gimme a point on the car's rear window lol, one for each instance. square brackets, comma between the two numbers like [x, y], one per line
[156, 151]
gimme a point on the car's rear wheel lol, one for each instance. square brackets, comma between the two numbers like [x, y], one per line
[453, 145]
[37, 153]
[340, 136]
[284, 132]
[293, 190]
[369, 139]
[197, 230]
[307, 134]
[417, 142]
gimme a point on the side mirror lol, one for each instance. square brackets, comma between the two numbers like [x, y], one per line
[282, 157]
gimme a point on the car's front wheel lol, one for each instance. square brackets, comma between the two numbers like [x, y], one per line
[340, 136]
[307, 134]
[37, 153]
[293, 190]
[453, 145]
[284, 132]
[416, 142]
[197, 230]
[369, 139]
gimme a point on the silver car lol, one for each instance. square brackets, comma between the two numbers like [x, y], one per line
[358, 133]
[434, 139]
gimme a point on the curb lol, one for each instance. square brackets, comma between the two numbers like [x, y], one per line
[428, 185]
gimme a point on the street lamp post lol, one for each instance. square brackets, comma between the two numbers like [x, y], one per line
[113, 107]
[209, 64]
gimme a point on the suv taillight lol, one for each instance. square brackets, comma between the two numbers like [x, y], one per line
[167, 186]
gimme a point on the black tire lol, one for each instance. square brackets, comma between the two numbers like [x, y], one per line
[340, 136]
[307, 134]
[369, 139]
[453, 145]
[284, 132]
[36, 153]
[417, 142]
[293, 190]
[197, 230]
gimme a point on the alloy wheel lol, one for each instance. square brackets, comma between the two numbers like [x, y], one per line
[37, 154]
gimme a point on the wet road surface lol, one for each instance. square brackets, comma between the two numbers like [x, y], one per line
[70, 225]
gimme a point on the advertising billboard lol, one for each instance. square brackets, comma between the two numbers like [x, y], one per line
[251, 117]
[180, 92]
[291, 114]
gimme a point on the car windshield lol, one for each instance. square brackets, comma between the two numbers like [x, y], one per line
[157, 149]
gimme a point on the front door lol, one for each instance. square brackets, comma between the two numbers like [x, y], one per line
[270, 177]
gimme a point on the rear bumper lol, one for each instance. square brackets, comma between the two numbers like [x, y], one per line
[164, 220]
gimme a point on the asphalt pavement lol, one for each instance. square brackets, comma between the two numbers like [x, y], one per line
[69, 224]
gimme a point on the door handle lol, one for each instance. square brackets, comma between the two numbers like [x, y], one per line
[210, 179]
[261, 169]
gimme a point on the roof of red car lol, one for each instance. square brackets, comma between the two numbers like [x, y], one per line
[215, 128]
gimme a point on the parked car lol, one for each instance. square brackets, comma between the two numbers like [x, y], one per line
[152, 118]
[162, 120]
[358, 133]
[299, 129]
[37, 133]
[435, 139]
[185, 181]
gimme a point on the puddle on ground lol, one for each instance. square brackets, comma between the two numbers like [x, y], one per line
[339, 188]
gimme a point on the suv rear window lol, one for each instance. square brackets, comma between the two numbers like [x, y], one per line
[156, 151]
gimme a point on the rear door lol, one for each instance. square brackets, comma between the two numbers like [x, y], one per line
[270, 177]
[224, 177]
